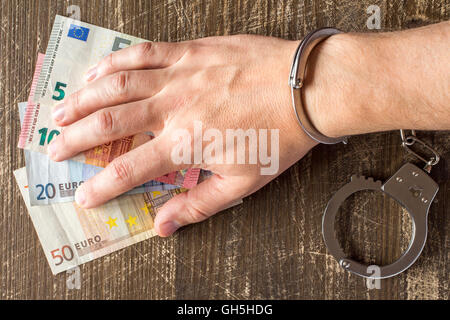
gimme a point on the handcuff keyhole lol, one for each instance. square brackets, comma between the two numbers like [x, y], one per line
[416, 191]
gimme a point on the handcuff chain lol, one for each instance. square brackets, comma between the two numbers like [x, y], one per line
[409, 140]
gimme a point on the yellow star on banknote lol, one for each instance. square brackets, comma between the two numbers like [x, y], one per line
[131, 221]
[156, 193]
[98, 150]
[146, 208]
[111, 222]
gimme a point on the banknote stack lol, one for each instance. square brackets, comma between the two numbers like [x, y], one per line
[69, 235]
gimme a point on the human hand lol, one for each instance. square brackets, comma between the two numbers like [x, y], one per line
[237, 82]
[360, 83]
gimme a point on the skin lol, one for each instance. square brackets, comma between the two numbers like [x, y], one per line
[359, 83]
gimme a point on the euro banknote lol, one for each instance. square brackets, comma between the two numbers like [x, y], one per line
[71, 236]
[52, 182]
[74, 47]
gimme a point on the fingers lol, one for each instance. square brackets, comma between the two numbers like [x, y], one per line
[106, 125]
[147, 55]
[120, 87]
[198, 203]
[133, 168]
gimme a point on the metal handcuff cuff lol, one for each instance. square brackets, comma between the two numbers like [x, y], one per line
[410, 186]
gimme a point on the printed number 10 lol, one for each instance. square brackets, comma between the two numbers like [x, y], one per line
[43, 133]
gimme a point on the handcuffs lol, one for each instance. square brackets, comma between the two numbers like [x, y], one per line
[410, 186]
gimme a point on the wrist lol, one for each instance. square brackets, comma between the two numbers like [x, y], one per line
[348, 90]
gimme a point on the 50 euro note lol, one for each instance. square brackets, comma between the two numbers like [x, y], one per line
[51, 182]
[71, 236]
[73, 48]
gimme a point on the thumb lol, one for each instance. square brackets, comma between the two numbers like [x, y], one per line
[197, 204]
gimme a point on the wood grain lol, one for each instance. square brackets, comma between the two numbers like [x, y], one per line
[270, 246]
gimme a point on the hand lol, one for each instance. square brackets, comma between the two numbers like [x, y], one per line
[360, 83]
[237, 82]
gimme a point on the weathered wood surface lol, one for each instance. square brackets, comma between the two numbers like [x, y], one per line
[270, 246]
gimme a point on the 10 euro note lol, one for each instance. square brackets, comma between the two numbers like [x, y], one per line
[52, 182]
[73, 48]
[71, 236]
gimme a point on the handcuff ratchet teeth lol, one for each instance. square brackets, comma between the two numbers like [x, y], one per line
[412, 188]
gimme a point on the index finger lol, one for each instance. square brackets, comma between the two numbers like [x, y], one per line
[146, 55]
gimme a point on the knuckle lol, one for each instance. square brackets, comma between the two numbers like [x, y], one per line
[194, 209]
[64, 149]
[120, 84]
[144, 49]
[108, 62]
[182, 102]
[73, 103]
[204, 77]
[60, 139]
[76, 100]
[193, 50]
[122, 171]
[105, 122]
[88, 188]
[194, 213]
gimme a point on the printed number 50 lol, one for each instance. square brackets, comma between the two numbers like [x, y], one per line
[61, 93]
[66, 254]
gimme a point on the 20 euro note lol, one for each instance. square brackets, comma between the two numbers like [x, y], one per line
[71, 236]
[74, 47]
[52, 182]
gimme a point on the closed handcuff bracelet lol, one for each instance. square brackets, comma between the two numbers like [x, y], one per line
[410, 186]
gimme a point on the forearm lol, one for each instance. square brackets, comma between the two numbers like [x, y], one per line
[364, 83]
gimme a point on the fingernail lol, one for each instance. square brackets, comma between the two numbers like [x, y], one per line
[168, 228]
[80, 196]
[91, 74]
[58, 112]
[51, 149]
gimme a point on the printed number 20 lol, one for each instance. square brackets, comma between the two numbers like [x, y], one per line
[43, 133]
[61, 93]
[49, 190]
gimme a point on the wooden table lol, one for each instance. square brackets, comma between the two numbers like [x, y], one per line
[270, 246]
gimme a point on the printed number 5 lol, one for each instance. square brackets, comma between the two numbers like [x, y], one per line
[61, 92]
